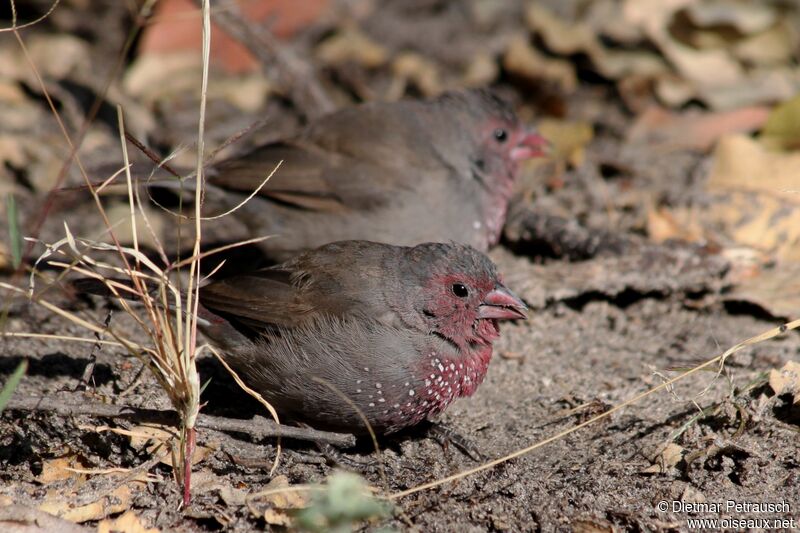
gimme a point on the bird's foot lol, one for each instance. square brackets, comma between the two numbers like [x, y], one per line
[446, 435]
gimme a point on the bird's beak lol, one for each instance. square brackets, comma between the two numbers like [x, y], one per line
[501, 303]
[531, 145]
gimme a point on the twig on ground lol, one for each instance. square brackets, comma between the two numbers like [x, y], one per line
[248, 454]
[259, 427]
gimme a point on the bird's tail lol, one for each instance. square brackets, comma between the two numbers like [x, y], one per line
[115, 178]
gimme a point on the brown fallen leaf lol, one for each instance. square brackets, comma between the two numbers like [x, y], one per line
[523, 60]
[61, 468]
[702, 52]
[15, 518]
[772, 47]
[560, 36]
[691, 494]
[786, 380]
[116, 502]
[753, 203]
[351, 45]
[782, 130]
[157, 77]
[745, 17]
[757, 196]
[774, 289]
[128, 522]
[568, 140]
[568, 38]
[59, 56]
[663, 225]
[415, 69]
[279, 503]
[481, 71]
[592, 526]
[670, 456]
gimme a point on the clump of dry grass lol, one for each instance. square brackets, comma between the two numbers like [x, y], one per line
[166, 319]
[166, 297]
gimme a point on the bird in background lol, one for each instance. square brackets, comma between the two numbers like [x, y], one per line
[404, 172]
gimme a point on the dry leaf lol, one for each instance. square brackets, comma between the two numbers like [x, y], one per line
[674, 91]
[560, 36]
[422, 73]
[162, 76]
[592, 526]
[704, 68]
[290, 499]
[156, 77]
[706, 57]
[568, 140]
[617, 64]
[281, 502]
[774, 46]
[663, 225]
[775, 289]
[759, 86]
[746, 17]
[61, 468]
[525, 61]
[232, 496]
[782, 130]
[351, 45]
[127, 523]
[15, 518]
[786, 380]
[116, 502]
[247, 93]
[740, 163]
[277, 518]
[13, 153]
[61, 55]
[756, 197]
[568, 38]
[605, 16]
[481, 71]
[691, 494]
[670, 456]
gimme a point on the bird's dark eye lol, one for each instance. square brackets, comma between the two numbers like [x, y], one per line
[460, 290]
[501, 135]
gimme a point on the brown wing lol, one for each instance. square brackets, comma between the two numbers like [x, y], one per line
[336, 280]
[310, 177]
[261, 300]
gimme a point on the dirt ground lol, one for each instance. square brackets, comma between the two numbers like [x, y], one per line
[613, 314]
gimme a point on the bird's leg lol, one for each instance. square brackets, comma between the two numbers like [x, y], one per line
[446, 435]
